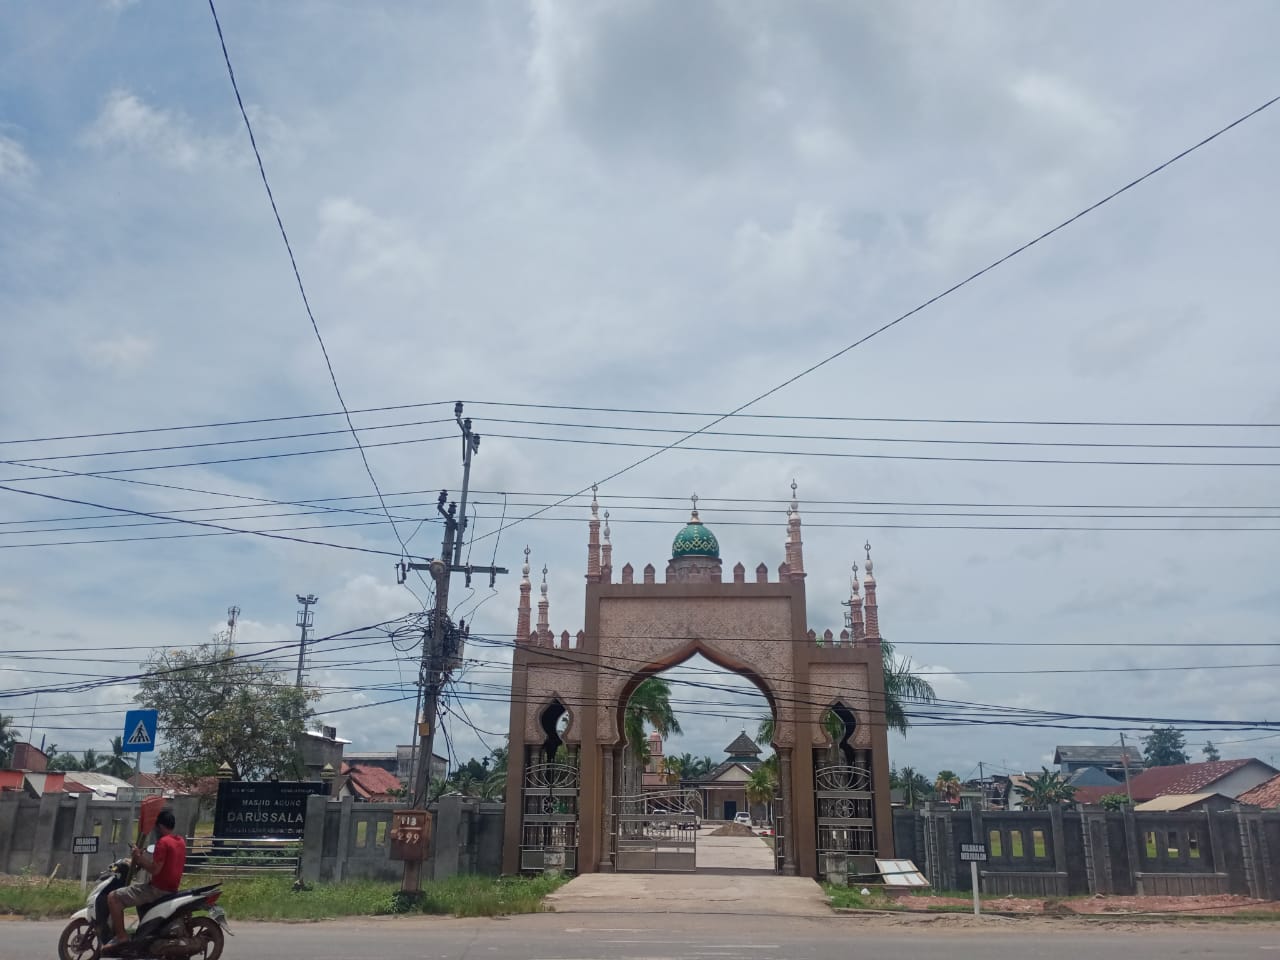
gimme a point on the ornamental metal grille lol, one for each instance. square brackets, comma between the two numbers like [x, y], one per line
[550, 815]
[657, 831]
[845, 819]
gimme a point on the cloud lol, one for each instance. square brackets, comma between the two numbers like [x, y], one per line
[368, 248]
[1123, 341]
[16, 164]
[129, 124]
[120, 354]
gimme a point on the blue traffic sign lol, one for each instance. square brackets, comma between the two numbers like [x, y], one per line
[139, 731]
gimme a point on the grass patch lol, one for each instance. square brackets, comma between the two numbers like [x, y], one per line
[273, 898]
[849, 898]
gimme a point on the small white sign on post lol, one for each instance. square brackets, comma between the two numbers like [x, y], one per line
[84, 846]
[975, 853]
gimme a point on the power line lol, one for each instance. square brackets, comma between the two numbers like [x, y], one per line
[297, 275]
[934, 299]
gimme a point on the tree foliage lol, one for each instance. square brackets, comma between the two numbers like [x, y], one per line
[902, 688]
[947, 786]
[215, 708]
[760, 786]
[8, 737]
[1164, 747]
[649, 706]
[1115, 801]
[118, 764]
[1044, 789]
[1210, 751]
[915, 786]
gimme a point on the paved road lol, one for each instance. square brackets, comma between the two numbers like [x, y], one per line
[710, 937]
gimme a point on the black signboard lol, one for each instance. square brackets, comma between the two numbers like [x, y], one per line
[84, 845]
[249, 809]
[973, 852]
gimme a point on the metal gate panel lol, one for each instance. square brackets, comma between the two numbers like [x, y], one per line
[657, 832]
[549, 823]
[845, 822]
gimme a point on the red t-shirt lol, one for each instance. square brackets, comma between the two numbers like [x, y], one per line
[170, 857]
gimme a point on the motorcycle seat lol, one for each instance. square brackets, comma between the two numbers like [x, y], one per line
[193, 891]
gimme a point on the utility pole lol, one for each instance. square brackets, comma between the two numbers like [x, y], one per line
[304, 621]
[442, 642]
[982, 785]
[1124, 759]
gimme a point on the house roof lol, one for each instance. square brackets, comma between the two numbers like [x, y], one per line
[180, 786]
[1092, 795]
[1092, 777]
[1265, 795]
[1087, 753]
[1185, 777]
[371, 783]
[101, 784]
[720, 769]
[1170, 802]
[742, 746]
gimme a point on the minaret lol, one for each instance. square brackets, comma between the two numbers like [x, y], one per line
[593, 540]
[544, 606]
[795, 547]
[522, 615]
[606, 554]
[857, 630]
[873, 615]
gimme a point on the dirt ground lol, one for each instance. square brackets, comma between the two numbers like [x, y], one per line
[1217, 905]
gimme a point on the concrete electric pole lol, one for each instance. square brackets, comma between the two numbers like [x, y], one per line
[305, 619]
[442, 642]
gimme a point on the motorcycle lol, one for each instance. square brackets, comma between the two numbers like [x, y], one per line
[168, 928]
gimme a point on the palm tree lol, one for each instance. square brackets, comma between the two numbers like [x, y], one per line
[915, 787]
[116, 765]
[90, 760]
[760, 788]
[947, 786]
[650, 705]
[1045, 789]
[901, 688]
[831, 723]
[673, 769]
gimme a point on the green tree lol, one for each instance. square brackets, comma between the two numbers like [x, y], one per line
[831, 723]
[649, 706]
[1115, 801]
[760, 788]
[8, 737]
[91, 761]
[915, 787]
[947, 786]
[1164, 747]
[1045, 789]
[215, 707]
[117, 765]
[902, 688]
[64, 761]
[1210, 751]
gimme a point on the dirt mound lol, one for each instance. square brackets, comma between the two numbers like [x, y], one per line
[733, 830]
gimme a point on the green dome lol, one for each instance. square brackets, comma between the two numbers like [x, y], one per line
[695, 540]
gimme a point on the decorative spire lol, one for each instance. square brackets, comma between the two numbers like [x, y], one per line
[523, 611]
[606, 554]
[872, 611]
[856, 628]
[693, 516]
[544, 607]
[795, 547]
[593, 539]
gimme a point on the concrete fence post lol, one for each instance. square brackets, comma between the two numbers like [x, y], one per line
[313, 838]
[344, 840]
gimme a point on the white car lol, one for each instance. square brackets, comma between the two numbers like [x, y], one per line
[743, 818]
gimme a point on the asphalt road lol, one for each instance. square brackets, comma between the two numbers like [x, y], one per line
[707, 937]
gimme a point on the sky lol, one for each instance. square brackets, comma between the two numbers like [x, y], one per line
[657, 207]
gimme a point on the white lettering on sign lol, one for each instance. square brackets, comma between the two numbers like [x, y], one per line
[973, 851]
[84, 845]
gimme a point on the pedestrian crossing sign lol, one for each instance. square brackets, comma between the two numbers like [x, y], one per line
[139, 731]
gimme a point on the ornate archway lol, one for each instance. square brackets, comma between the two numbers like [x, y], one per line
[758, 629]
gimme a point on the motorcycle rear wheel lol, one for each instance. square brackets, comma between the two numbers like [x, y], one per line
[79, 941]
[209, 933]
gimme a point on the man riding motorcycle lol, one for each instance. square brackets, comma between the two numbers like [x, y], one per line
[165, 866]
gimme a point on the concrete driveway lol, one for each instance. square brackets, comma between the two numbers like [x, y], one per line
[733, 853]
[744, 893]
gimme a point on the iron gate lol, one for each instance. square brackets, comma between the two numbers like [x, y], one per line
[657, 831]
[549, 831]
[846, 830]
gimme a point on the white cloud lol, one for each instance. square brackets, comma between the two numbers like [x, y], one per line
[15, 163]
[120, 354]
[129, 123]
[368, 248]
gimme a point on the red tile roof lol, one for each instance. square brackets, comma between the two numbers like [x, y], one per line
[182, 786]
[371, 783]
[1093, 795]
[1183, 778]
[1265, 795]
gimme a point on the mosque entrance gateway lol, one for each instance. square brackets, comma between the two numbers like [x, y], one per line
[570, 797]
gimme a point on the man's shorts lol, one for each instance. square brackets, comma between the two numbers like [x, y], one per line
[140, 894]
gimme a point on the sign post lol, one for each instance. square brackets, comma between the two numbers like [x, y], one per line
[975, 853]
[139, 736]
[84, 846]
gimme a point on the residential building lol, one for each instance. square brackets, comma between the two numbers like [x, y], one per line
[1111, 760]
[1231, 778]
[1265, 795]
[724, 787]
